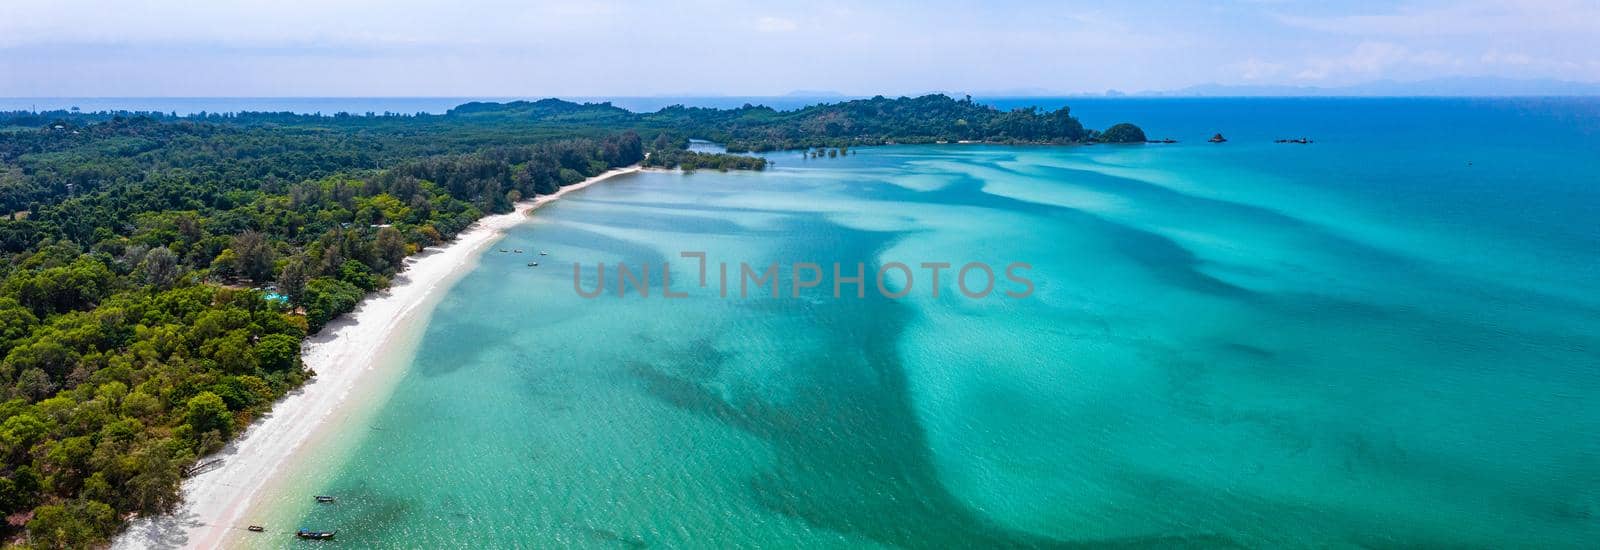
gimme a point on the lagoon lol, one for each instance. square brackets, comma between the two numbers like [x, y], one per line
[1384, 338]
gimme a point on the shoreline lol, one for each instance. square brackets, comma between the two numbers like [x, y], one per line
[346, 355]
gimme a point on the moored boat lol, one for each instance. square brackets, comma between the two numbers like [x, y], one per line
[325, 498]
[314, 535]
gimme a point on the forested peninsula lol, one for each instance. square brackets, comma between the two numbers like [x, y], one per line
[161, 272]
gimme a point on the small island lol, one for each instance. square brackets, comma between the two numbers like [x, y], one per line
[1123, 133]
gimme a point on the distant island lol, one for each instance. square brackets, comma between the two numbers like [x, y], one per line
[1123, 133]
[161, 272]
[1450, 86]
[1465, 86]
[931, 118]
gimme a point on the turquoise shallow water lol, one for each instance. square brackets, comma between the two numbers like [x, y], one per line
[1364, 342]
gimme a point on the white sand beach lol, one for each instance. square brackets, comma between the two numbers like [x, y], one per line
[345, 356]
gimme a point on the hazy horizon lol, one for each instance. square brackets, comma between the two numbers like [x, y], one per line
[1483, 87]
[621, 48]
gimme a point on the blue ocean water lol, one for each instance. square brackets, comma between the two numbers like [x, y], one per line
[1385, 338]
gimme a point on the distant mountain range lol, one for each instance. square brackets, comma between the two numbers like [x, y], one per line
[1440, 87]
[1463, 86]
[1457, 86]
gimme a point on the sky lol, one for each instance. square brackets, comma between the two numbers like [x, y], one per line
[483, 48]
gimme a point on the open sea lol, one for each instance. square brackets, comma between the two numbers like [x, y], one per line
[1387, 338]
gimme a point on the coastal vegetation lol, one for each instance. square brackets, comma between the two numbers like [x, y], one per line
[691, 160]
[161, 275]
[160, 272]
[876, 121]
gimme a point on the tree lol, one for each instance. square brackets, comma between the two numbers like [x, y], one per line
[16, 323]
[35, 384]
[153, 488]
[47, 355]
[111, 392]
[292, 279]
[233, 353]
[226, 263]
[327, 298]
[359, 274]
[160, 268]
[141, 405]
[78, 524]
[277, 352]
[10, 498]
[391, 248]
[254, 256]
[207, 412]
[79, 285]
[18, 434]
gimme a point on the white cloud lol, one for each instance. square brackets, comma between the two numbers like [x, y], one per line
[1497, 57]
[377, 24]
[1257, 69]
[1373, 59]
[1430, 38]
[1465, 17]
[776, 24]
